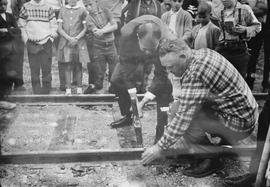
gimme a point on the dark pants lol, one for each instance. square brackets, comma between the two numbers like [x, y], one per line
[205, 121]
[18, 80]
[255, 45]
[237, 56]
[6, 78]
[41, 61]
[103, 54]
[264, 122]
[134, 72]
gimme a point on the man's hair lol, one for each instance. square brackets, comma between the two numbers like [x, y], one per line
[176, 45]
[149, 28]
[204, 8]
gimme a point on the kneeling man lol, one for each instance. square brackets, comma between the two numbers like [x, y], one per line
[214, 99]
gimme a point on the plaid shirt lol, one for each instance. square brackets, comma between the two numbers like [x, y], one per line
[210, 76]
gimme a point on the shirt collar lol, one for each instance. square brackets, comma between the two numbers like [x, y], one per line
[144, 2]
[35, 3]
[74, 7]
[205, 26]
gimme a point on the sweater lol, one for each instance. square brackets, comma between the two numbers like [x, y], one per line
[37, 22]
[212, 35]
[183, 24]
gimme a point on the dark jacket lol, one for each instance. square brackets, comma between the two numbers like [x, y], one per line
[8, 40]
[130, 53]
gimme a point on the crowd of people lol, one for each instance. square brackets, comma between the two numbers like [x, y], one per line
[212, 46]
[87, 34]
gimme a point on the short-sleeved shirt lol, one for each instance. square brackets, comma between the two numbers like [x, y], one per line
[115, 6]
[72, 19]
[99, 20]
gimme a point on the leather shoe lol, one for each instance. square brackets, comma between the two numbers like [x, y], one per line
[204, 168]
[125, 121]
[245, 180]
[91, 89]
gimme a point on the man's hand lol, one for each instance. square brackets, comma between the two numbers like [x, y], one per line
[140, 109]
[98, 32]
[239, 29]
[151, 154]
[3, 30]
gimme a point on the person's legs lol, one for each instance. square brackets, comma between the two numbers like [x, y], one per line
[35, 66]
[78, 75]
[255, 45]
[205, 121]
[68, 74]
[163, 100]
[112, 59]
[18, 82]
[46, 67]
[61, 71]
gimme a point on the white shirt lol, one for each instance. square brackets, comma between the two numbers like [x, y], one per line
[200, 40]
[172, 23]
[3, 15]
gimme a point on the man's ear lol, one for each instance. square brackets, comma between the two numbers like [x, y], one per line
[182, 56]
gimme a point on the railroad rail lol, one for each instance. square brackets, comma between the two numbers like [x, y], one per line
[91, 99]
[101, 154]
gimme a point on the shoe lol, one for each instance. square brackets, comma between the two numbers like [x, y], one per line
[68, 91]
[91, 89]
[204, 168]
[240, 181]
[62, 88]
[125, 121]
[79, 90]
[7, 105]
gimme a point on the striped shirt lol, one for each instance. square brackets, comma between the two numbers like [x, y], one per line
[210, 76]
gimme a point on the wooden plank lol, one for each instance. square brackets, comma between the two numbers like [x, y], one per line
[111, 155]
[91, 98]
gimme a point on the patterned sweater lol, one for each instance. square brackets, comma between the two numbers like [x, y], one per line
[37, 21]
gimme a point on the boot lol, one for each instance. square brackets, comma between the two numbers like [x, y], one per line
[125, 121]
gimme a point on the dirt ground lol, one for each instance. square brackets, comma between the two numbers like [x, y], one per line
[70, 127]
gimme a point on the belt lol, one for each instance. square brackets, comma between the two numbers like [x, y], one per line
[104, 44]
[232, 44]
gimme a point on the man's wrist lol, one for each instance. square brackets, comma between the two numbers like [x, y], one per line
[149, 95]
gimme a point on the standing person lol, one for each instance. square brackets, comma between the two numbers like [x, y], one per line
[72, 48]
[10, 34]
[102, 24]
[39, 29]
[213, 99]
[178, 20]
[115, 6]
[139, 41]
[238, 25]
[260, 10]
[205, 34]
[14, 7]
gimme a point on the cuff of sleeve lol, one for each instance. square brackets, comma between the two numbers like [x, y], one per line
[132, 91]
[84, 22]
[60, 21]
[161, 143]
[149, 95]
